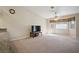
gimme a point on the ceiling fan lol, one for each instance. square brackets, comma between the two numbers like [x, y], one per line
[55, 13]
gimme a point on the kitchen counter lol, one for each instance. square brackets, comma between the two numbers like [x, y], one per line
[4, 40]
[3, 30]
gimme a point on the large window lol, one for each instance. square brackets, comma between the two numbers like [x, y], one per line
[72, 24]
[61, 26]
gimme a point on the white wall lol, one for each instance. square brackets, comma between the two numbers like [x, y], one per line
[19, 24]
[1, 23]
[77, 26]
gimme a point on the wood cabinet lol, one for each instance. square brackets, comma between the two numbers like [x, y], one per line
[34, 34]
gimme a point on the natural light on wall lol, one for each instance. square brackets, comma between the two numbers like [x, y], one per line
[61, 26]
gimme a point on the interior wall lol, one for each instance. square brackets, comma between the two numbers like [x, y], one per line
[19, 24]
[62, 31]
[77, 26]
[1, 23]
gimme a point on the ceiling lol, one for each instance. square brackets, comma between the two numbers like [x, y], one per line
[46, 11]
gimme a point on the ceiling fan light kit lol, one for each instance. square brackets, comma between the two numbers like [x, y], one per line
[55, 13]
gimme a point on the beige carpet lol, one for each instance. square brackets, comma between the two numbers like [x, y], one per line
[47, 43]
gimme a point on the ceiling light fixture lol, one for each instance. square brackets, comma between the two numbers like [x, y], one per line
[55, 13]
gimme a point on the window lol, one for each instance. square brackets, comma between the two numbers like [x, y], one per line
[72, 24]
[61, 26]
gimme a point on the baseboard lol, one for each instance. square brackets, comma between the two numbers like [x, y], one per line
[20, 37]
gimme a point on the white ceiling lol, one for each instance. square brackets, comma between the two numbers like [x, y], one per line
[46, 12]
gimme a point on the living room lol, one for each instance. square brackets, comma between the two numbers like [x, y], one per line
[17, 21]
